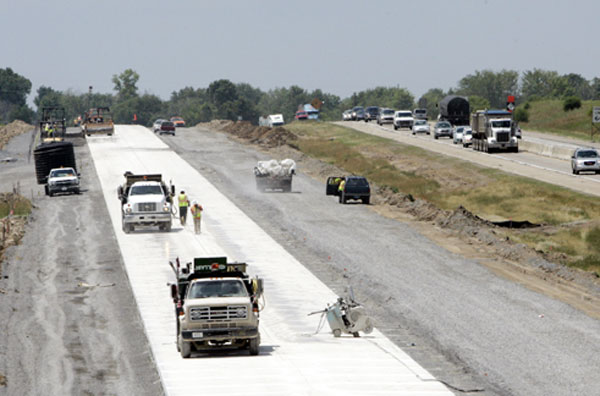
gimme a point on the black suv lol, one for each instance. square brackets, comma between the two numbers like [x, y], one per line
[356, 187]
[371, 113]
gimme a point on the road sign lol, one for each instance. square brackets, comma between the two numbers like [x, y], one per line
[316, 103]
[510, 106]
[596, 115]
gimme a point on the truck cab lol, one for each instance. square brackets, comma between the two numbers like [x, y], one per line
[216, 306]
[493, 130]
[146, 201]
[62, 180]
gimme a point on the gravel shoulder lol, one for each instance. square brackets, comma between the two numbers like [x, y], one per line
[69, 323]
[457, 318]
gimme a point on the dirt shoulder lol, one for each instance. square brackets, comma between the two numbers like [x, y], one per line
[458, 231]
[11, 130]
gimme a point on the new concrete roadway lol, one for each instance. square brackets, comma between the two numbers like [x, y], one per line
[293, 360]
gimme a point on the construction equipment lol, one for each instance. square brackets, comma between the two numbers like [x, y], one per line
[52, 124]
[275, 175]
[216, 306]
[348, 317]
[98, 120]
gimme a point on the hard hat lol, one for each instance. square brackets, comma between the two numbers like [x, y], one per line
[194, 203]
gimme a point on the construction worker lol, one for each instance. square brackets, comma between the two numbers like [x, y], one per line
[197, 215]
[341, 186]
[183, 206]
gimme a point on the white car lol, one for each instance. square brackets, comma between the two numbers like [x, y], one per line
[347, 115]
[467, 138]
[403, 119]
[157, 124]
[458, 134]
[420, 126]
[385, 116]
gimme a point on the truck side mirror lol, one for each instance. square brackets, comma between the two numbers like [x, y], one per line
[120, 192]
[172, 189]
[174, 294]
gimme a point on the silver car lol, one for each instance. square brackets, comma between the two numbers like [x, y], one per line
[385, 116]
[442, 128]
[420, 126]
[585, 160]
[467, 138]
[458, 134]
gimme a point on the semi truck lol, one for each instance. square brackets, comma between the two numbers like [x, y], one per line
[216, 306]
[455, 110]
[145, 201]
[493, 130]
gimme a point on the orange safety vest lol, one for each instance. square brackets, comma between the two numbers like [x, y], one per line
[197, 211]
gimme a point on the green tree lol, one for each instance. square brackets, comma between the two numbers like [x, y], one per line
[222, 91]
[126, 84]
[538, 83]
[478, 103]
[493, 86]
[14, 89]
[431, 99]
[571, 103]
[146, 107]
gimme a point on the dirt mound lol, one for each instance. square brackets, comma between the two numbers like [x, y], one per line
[11, 130]
[12, 228]
[261, 135]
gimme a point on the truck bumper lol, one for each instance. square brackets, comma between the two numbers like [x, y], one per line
[502, 146]
[147, 218]
[203, 335]
[72, 188]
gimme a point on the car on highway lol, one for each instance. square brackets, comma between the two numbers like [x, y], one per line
[420, 126]
[371, 113]
[403, 119]
[386, 116]
[347, 115]
[166, 127]
[585, 160]
[178, 122]
[301, 115]
[420, 114]
[442, 128]
[467, 138]
[156, 125]
[458, 133]
[358, 113]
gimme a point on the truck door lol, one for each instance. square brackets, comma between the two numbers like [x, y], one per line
[332, 184]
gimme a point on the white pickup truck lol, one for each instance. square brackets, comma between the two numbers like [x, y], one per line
[146, 201]
[62, 180]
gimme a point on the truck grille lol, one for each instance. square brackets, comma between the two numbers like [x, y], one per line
[219, 314]
[503, 137]
[146, 207]
[64, 182]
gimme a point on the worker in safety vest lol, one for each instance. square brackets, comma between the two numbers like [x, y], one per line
[197, 215]
[341, 186]
[183, 206]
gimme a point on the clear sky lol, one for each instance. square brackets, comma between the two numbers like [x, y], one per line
[340, 46]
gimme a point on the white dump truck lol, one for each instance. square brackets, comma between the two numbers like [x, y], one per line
[146, 201]
[275, 175]
[216, 306]
[493, 131]
[272, 120]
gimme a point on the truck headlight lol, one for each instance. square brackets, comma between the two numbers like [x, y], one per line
[166, 208]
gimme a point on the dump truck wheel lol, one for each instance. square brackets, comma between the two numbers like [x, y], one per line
[185, 348]
[46, 190]
[355, 334]
[253, 346]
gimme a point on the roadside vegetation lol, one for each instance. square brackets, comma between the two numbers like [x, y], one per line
[550, 116]
[570, 231]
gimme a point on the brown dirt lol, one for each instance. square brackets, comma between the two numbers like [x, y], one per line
[459, 231]
[11, 130]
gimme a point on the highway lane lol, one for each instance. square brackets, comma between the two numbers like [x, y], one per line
[546, 169]
[294, 360]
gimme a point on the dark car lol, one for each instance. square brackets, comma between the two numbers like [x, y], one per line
[358, 113]
[166, 127]
[355, 187]
[371, 113]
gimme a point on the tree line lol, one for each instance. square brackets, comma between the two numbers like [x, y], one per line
[223, 99]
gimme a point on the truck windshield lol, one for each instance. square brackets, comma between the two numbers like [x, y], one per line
[218, 288]
[388, 112]
[62, 173]
[501, 124]
[407, 114]
[145, 190]
[587, 154]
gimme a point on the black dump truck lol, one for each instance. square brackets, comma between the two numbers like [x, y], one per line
[455, 110]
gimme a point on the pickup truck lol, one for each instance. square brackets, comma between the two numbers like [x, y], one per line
[356, 187]
[62, 180]
[146, 201]
[166, 127]
[216, 306]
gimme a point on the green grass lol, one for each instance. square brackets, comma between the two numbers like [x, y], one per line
[21, 206]
[549, 116]
[486, 192]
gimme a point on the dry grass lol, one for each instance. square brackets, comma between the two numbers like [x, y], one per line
[449, 183]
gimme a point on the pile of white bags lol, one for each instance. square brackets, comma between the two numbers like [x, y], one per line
[275, 168]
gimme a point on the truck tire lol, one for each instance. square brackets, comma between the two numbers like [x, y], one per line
[185, 348]
[46, 189]
[395, 128]
[168, 227]
[253, 346]
[366, 200]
